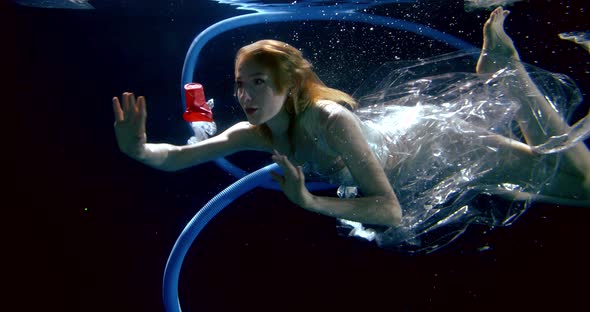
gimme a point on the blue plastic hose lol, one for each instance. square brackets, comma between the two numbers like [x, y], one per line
[198, 222]
[260, 177]
[302, 14]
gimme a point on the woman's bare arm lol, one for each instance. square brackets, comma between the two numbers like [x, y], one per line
[132, 139]
[170, 157]
[378, 206]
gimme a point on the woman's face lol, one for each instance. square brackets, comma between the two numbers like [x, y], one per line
[257, 93]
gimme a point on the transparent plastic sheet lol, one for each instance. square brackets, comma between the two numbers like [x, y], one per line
[434, 127]
[580, 37]
[203, 130]
[57, 4]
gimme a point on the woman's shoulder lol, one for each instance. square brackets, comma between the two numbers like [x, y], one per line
[329, 105]
[315, 116]
[242, 128]
[317, 119]
[324, 110]
[333, 112]
[247, 135]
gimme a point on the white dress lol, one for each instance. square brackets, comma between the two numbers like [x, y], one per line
[433, 132]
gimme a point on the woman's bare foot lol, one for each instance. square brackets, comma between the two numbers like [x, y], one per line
[497, 48]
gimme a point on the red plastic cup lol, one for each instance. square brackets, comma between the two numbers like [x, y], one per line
[196, 105]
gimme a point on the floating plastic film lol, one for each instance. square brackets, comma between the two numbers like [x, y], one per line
[440, 130]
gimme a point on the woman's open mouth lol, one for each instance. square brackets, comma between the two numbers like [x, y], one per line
[250, 111]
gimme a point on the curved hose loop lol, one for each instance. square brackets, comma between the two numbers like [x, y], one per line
[261, 177]
[199, 42]
[200, 220]
[197, 223]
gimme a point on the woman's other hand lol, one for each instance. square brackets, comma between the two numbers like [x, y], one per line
[130, 124]
[292, 181]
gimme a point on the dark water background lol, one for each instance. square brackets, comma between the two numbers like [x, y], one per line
[93, 229]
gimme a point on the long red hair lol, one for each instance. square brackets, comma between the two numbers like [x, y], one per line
[288, 68]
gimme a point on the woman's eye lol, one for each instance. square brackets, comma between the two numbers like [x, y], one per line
[258, 81]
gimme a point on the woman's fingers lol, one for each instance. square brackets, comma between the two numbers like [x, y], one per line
[291, 173]
[288, 169]
[292, 182]
[129, 104]
[141, 106]
[130, 108]
[277, 178]
[126, 103]
[300, 173]
[119, 116]
[141, 113]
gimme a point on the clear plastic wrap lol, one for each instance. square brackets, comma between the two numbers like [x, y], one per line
[435, 127]
[580, 37]
[203, 130]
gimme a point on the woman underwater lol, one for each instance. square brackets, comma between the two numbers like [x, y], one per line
[313, 135]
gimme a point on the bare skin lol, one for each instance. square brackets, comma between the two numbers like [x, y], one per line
[343, 135]
[572, 180]
[346, 147]
[496, 44]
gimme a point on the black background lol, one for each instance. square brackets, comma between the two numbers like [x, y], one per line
[90, 230]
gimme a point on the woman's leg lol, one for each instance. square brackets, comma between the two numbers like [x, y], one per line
[515, 167]
[537, 118]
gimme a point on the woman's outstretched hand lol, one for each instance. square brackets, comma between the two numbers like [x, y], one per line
[130, 124]
[292, 181]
